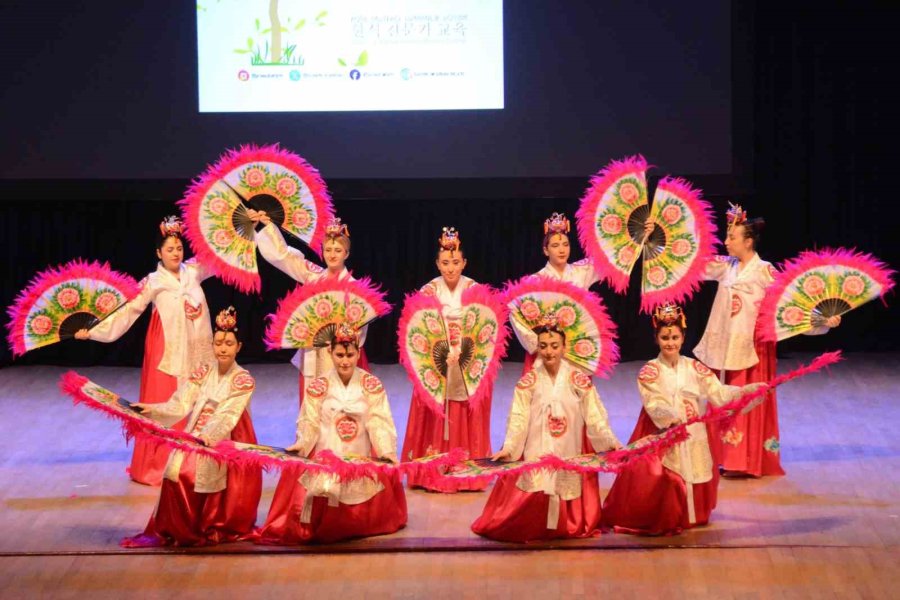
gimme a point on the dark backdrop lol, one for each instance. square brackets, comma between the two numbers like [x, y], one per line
[813, 150]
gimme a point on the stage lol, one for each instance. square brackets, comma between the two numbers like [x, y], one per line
[832, 524]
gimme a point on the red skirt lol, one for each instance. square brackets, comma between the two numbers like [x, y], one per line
[751, 446]
[469, 430]
[383, 513]
[511, 515]
[649, 499]
[184, 517]
[529, 362]
[148, 462]
[362, 364]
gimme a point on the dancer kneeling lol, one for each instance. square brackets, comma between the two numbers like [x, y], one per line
[203, 502]
[556, 410]
[664, 497]
[346, 412]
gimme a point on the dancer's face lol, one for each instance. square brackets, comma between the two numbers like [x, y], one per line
[335, 254]
[669, 340]
[557, 250]
[738, 243]
[171, 253]
[551, 347]
[451, 265]
[225, 346]
[345, 357]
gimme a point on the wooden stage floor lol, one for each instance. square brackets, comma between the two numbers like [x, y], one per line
[830, 528]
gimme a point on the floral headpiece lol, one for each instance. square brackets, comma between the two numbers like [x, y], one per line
[335, 229]
[547, 322]
[557, 223]
[345, 333]
[667, 315]
[171, 225]
[735, 215]
[226, 320]
[449, 239]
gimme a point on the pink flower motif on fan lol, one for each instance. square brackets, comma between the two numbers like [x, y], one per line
[584, 348]
[629, 192]
[248, 257]
[106, 302]
[476, 368]
[486, 333]
[68, 297]
[218, 206]
[355, 313]
[41, 325]
[793, 316]
[300, 219]
[300, 331]
[419, 343]
[681, 247]
[657, 275]
[625, 257]
[286, 186]
[853, 285]
[254, 177]
[431, 379]
[433, 326]
[470, 320]
[813, 285]
[530, 310]
[611, 224]
[672, 214]
[323, 309]
[223, 238]
[565, 316]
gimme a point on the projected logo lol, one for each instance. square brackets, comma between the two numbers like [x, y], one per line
[295, 75]
[243, 75]
[355, 74]
[405, 74]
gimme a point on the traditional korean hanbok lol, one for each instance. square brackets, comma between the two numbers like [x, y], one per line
[664, 497]
[178, 339]
[201, 501]
[563, 417]
[461, 427]
[272, 247]
[349, 420]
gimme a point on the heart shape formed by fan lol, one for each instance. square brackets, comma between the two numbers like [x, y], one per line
[611, 230]
[61, 300]
[580, 314]
[266, 178]
[307, 317]
[425, 340]
[817, 285]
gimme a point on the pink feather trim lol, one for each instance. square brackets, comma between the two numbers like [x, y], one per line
[656, 444]
[791, 269]
[585, 217]
[364, 288]
[413, 303]
[486, 295]
[530, 284]
[702, 213]
[45, 280]
[232, 159]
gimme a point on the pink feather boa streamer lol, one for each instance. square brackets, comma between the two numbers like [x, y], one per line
[45, 280]
[486, 295]
[655, 445]
[228, 162]
[791, 269]
[705, 228]
[364, 288]
[135, 426]
[413, 303]
[591, 302]
[585, 217]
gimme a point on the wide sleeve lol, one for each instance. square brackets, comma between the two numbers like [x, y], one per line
[275, 250]
[176, 407]
[661, 411]
[200, 270]
[526, 336]
[308, 422]
[596, 421]
[229, 410]
[591, 274]
[380, 425]
[716, 268]
[714, 391]
[115, 326]
[519, 416]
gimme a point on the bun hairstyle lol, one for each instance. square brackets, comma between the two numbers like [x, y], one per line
[753, 229]
[449, 242]
[226, 322]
